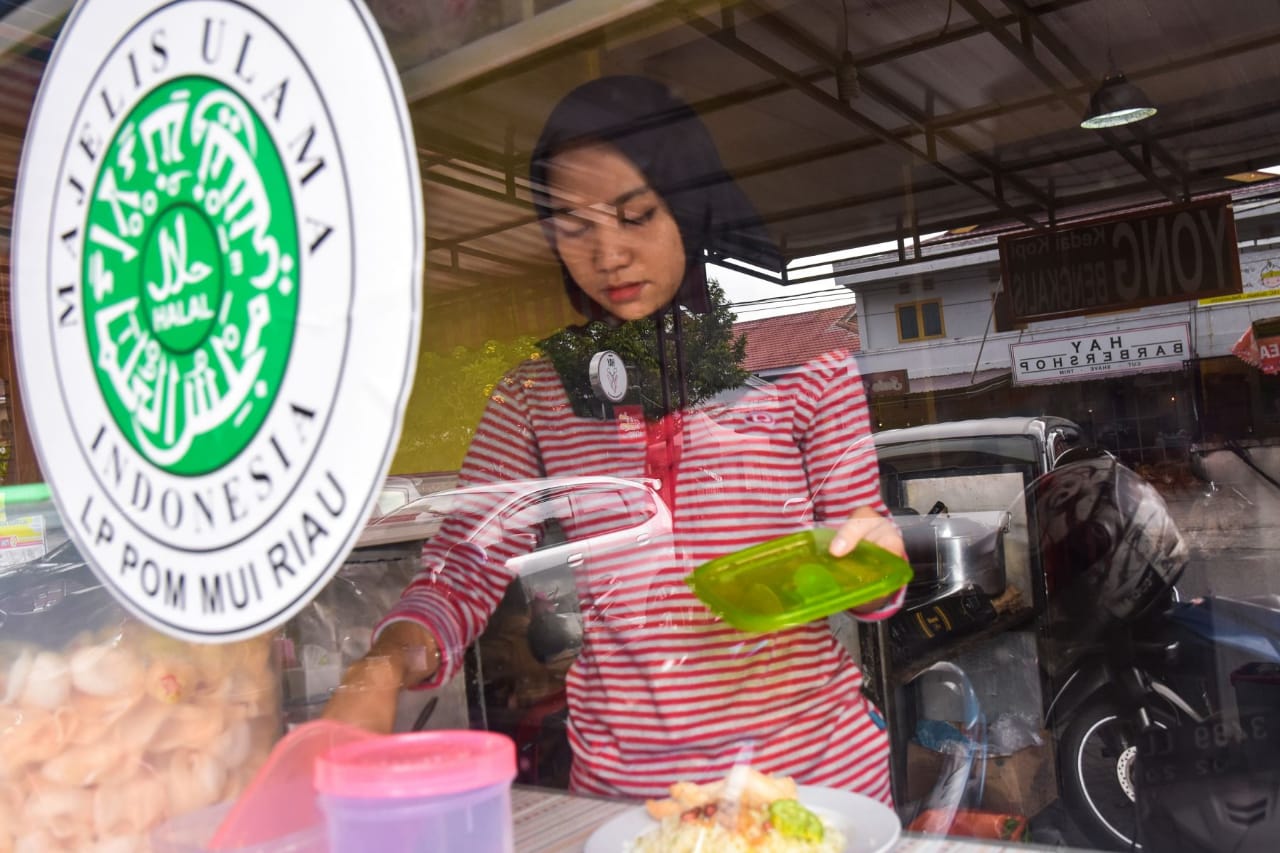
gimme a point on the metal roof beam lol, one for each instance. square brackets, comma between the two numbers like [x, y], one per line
[492, 257]
[955, 119]
[475, 189]
[1061, 52]
[1168, 131]
[865, 60]
[1092, 197]
[883, 94]
[731, 42]
[979, 13]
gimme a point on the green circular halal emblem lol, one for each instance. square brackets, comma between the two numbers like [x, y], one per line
[190, 275]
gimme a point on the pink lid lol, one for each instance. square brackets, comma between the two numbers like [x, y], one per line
[417, 764]
[281, 799]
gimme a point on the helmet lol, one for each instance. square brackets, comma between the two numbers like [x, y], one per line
[1106, 542]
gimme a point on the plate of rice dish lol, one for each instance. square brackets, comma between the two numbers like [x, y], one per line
[750, 812]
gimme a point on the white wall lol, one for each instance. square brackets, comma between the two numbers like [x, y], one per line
[966, 304]
[966, 291]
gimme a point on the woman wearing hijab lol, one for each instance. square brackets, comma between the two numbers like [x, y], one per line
[632, 196]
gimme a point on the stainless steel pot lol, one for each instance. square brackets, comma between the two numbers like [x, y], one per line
[949, 551]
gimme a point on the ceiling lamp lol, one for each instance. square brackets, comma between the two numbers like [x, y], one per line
[848, 86]
[1116, 102]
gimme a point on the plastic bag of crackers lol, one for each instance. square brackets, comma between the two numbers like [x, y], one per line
[108, 728]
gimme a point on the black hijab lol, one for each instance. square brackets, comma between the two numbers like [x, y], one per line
[667, 142]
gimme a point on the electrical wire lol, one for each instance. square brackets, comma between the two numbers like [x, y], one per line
[791, 308]
[793, 298]
[843, 30]
[824, 298]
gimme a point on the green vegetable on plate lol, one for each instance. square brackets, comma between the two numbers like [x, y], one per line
[793, 820]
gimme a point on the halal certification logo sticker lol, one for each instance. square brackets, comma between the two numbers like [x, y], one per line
[217, 271]
[190, 289]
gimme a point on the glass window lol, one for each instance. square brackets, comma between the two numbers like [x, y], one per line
[908, 323]
[920, 320]
[535, 512]
[603, 511]
[662, 243]
[931, 313]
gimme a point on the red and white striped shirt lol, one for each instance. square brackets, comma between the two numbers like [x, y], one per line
[663, 690]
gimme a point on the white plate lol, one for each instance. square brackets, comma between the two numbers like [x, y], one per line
[868, 825]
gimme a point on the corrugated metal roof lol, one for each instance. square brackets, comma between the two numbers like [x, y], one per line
[964, 115]
[981, 380]
[793, 339]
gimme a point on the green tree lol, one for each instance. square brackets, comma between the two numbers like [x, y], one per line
[713, 356]
[451, 390]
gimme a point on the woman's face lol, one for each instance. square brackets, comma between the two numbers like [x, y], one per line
[614, 234]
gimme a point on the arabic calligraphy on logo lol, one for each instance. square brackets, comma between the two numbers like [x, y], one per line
[190, 278]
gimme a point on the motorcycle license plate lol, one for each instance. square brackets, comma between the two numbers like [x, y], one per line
[1210, 750]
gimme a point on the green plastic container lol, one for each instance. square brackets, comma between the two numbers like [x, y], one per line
[793, 579]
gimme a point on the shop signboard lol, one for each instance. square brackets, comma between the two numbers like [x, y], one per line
[1103, 355]
[1260, 345]
[887, 383]
[1267, 332]
[217, 274]
[1259, 280]
[1171, 254]
[1269, 349]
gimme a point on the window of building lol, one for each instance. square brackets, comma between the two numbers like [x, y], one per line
[920, 320]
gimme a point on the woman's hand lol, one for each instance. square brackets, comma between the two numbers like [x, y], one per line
[404, 655]
[865, 523]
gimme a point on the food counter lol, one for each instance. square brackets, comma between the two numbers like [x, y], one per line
[554, 822]
[161, 730]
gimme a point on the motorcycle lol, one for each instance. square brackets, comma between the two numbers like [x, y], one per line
[1167, 717]
[1124, 711]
